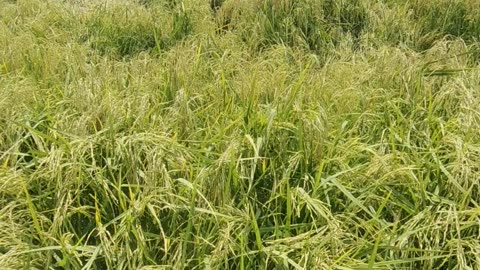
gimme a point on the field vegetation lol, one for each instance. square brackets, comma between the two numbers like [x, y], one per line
[239, 134]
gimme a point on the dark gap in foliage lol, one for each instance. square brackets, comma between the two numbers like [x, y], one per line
[215, 5]
[223, 15]
[109, 37]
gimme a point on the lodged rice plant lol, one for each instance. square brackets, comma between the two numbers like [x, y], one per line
[244, 134]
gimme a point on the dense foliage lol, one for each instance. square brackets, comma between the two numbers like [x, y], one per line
[239, 134]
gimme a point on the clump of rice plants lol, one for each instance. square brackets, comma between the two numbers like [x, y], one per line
[303, 135]
[316, 26]
[454, 18]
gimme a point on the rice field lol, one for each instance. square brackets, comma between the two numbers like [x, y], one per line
[239, 134]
